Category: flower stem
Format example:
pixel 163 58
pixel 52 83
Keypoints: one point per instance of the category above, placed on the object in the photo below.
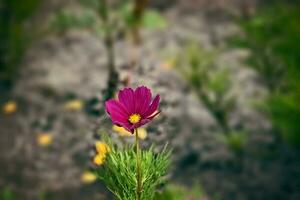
pixel 138 167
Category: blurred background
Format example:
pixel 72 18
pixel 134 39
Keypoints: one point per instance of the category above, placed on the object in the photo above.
pixel 228 72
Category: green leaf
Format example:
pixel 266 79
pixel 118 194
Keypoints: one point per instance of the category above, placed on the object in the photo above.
pixel 154 20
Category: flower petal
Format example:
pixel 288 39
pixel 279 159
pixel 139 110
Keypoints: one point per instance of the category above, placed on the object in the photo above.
pixel 142 97
pixel 125 125
pixel 126 97
pixel 116 110
pixel 140 123
pixel 154 115
pixel 153 107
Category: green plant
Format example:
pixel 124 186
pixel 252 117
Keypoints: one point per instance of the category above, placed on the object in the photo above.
pixel 235 141
pixel 7 194
pixel 274 43
pixel 14 35
pixel 285 113
pixel 135 16
pixel 66 19
pixel 119 171
pixel 177 192
pixel 210 84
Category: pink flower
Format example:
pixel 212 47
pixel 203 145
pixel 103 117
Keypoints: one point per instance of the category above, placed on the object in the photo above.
pixel 133 108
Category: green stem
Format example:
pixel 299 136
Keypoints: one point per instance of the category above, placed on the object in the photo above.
pixel 138 167
pixel 138 12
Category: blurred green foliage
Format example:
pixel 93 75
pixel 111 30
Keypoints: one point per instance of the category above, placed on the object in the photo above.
pixel 235 141
pixel 210 83
pixel 177 192
pixel 152 19
pixel 66 19
pixel 7 194
pixel 273 36
pixel 122 15
pixel 14 36
pixel 284 109
pixel 169 192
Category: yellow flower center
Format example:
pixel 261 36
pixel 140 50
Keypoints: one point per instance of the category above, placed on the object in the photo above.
pixel 134 118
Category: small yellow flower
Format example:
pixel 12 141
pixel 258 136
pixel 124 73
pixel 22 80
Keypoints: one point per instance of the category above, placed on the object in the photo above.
pixel 102 148
pixel 44 139
pixel 10 107
pixel 88 177
pixel 142 133
pixel 121 131
pixel 73 105
pixel 124 133
pixel 167 65
pixel 99 159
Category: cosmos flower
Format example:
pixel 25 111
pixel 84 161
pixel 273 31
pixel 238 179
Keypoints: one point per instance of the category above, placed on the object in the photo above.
pixel 133 108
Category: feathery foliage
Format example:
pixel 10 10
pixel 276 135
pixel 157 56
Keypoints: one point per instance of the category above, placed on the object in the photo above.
pixel 274 44
pixel 14 34
pixel 178 192
pixel 210 84
pixel 119 171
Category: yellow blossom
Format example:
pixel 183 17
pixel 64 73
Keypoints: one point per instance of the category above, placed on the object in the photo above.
pixel 10 107
pixel 142 133
pixel 121 131
pixel 88 177
pixel 167 65
pixel 99 159
pixel 124 133
pixel 102 148
pixel 44 139
pixel 73 105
